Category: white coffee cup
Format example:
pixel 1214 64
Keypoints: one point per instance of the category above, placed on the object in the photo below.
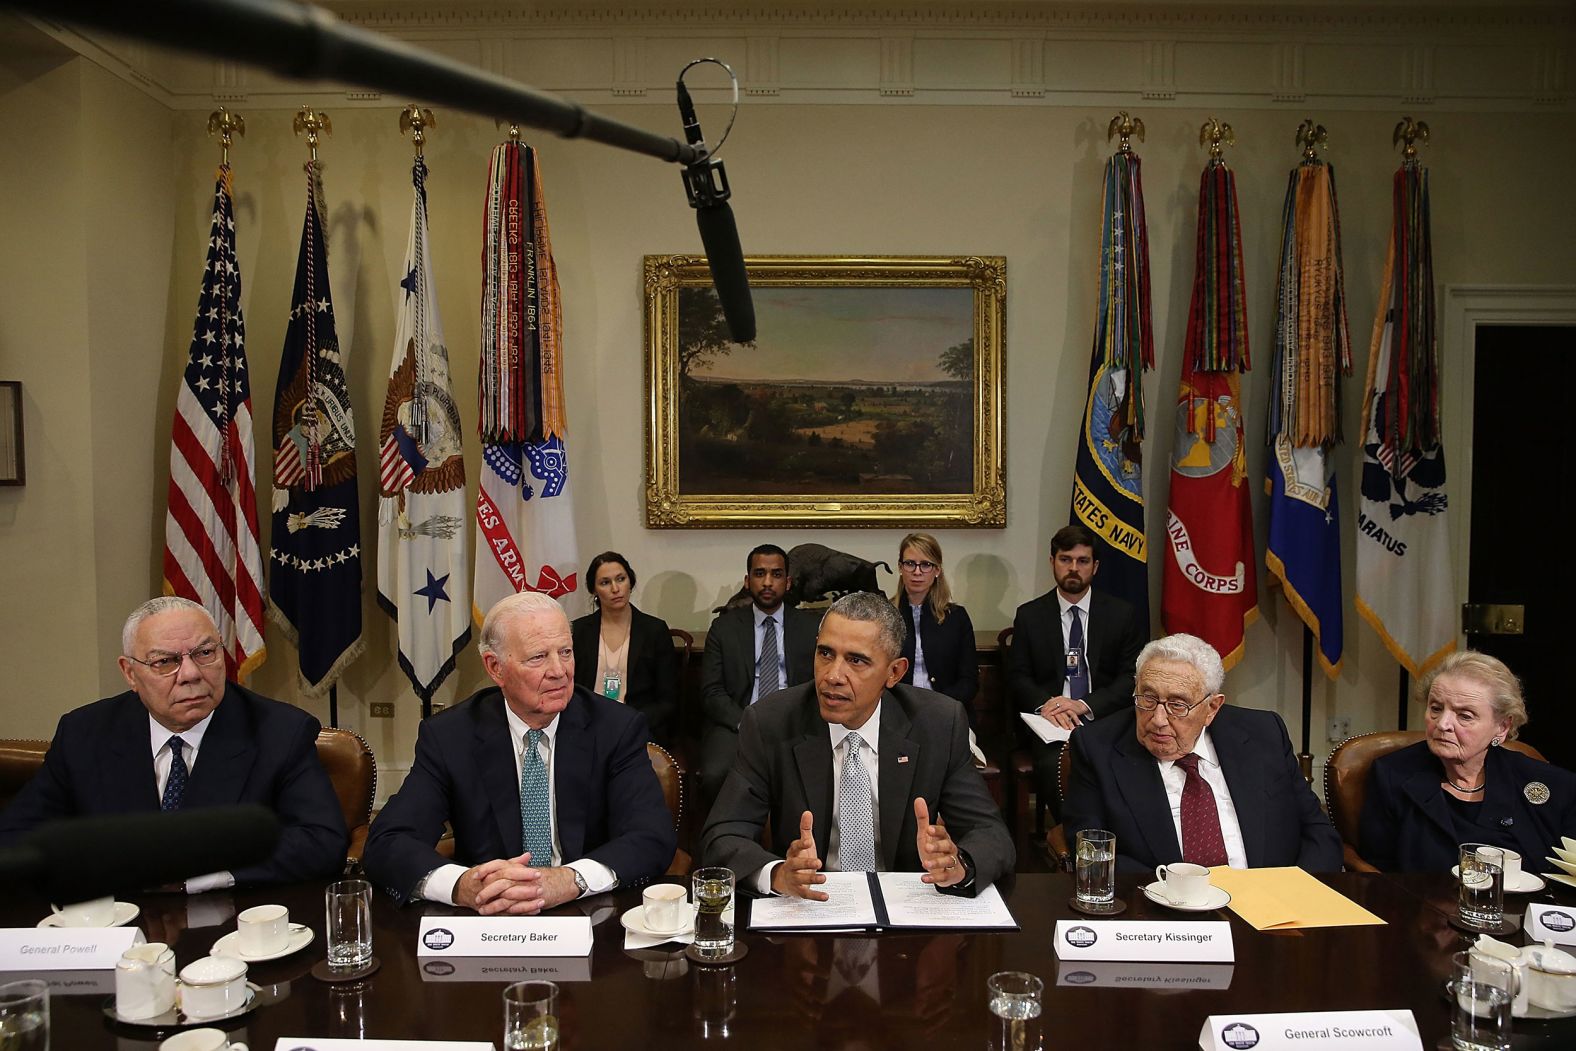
pixel 1551 977
pixel 1183 883
pixel 201 1040
pixel 213 986
pixel 1512 867
pixel 145 981
pixel 664 907
pixel 100 912
pixel 264 930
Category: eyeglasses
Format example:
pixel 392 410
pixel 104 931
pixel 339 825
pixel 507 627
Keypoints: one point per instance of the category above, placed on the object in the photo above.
pixel 917 567
pixel 1148 702
pixel 202 656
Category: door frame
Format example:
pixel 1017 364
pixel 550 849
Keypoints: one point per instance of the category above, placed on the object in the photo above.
pixel 1465 308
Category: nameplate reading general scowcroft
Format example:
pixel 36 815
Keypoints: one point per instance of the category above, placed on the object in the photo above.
pixel 1551 923
pixel 504 936
pixel 64 948
pixel 1321 1030
pixel 310 1043
pixel 1207 941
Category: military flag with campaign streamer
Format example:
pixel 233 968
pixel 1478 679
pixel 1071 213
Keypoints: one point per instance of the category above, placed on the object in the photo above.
pixel 423 565
pixel 314 589
pixel 1313 349
pixel 1405 589
pixel 524 512
pixel 211 550
pixel 1209 586
pixel 1108 489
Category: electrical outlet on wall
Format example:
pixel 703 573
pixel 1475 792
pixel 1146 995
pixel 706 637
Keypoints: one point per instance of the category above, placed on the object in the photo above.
pixel 1340 728
pixel 382 709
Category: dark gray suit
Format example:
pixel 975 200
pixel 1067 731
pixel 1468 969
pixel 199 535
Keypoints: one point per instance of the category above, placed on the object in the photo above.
pixel 784 768
pixel 727 679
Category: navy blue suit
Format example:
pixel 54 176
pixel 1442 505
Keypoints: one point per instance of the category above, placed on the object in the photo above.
pixel 1406 824
pixel 609 804
pixel 255 750
pixel 1116 785
pixel 951 659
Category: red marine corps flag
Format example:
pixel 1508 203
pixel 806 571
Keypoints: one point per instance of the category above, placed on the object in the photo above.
pixel 1210 584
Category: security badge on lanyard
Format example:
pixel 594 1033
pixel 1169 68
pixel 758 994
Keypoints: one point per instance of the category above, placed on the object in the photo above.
pixel 611 684
pixel 1074 661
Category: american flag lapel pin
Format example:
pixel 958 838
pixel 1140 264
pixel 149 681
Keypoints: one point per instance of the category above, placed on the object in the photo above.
pixel 902 759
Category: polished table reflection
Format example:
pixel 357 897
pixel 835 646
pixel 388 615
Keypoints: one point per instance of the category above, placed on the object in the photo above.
pixel 817 991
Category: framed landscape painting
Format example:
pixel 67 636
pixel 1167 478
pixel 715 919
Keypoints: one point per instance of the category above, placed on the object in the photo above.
pixel 872 395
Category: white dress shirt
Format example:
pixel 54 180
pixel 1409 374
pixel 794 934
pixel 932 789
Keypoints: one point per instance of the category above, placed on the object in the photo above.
pixel 1209 769
pixel 164 758
pixel 440 882
pixel 870 732
pixel 921 673
pixel 1087 715
pixel 766 689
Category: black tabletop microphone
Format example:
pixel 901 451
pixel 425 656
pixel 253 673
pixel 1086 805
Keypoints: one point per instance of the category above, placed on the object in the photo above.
pixel 706 186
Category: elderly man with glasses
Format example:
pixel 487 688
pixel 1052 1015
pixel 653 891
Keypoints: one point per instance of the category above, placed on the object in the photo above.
pixel 1182 776
pixel 182 737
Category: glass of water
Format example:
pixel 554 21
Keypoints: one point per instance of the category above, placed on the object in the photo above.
pixel 1481 992
pixel 712 891
pixel 1481 902
pixel 348 904
pixel 1015 1011
pixel 1094 868
pixel 24 1016
pixel 530 1017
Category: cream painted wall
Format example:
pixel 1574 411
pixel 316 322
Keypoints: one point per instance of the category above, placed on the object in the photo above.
pixel 1021 181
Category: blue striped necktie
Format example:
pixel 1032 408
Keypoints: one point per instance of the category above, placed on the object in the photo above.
pixel 536 818
pixel 175 786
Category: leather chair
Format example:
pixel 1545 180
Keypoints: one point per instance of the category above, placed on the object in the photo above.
pixel 20 759
pixel 353 770
pixel 1056 837
pixel 1346 782
pixel 670 775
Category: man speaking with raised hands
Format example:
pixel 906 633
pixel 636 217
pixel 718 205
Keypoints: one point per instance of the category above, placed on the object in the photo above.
pixel 849 770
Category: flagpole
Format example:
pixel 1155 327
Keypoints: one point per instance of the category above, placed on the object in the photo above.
pixel 1403 687
pixel 333 705
pixel 1305 758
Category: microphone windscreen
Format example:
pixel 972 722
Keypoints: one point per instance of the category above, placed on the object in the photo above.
pixel 88 857
pixel 720 235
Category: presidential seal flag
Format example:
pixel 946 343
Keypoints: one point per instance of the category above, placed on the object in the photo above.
pixel 1312 351
pixel 1108 487
pixel 524 516
pixel 423 566
pixel 211 551
pixel 1209 586
pixel 1404 585
pixel 314 589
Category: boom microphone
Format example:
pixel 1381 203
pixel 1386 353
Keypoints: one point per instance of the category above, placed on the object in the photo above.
pixel 76 859
pixel 706 186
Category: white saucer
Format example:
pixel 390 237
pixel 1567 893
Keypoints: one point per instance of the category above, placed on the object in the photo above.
pixel 125 912
pixel 230 945
pixel 1217 899
pixel 1528 884
pixel 634 921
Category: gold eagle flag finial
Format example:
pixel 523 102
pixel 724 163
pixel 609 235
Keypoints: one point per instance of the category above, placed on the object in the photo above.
pixel 1126 127
pixel 416 120
pixel 1408 133
pixel 312 123
pixel 1216 135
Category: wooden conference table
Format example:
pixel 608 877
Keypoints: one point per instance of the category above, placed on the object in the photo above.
pixel 801 991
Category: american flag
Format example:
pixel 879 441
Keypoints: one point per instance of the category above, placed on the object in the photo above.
pixel 211 553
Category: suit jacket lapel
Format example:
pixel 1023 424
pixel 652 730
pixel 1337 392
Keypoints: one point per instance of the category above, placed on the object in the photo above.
pixel 1244 775
pixel 128 770
pixel 813 759
pixel 1053 631
pixel 495 759
pixel 896 776
pixel 1422 788
pixel 1091 636
pixel 1137 776
pixel 227 754
pixel 741 626
pixel 572 777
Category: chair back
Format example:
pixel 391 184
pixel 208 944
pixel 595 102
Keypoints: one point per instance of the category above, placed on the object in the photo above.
pixel 20 759
pixel 353 771
pixel 671 777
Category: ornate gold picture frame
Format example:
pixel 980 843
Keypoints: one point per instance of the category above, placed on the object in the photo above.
pixel 872 395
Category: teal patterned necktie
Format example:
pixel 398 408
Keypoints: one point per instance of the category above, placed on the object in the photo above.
pixel 536 820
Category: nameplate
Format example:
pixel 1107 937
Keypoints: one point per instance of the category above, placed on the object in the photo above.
pixel 505 969
pixel 64 948
pixel 68 983
pixel 1346 1030
pixel 1551 923
pixel 1116 974
pixel 310 1043
pixel 1207 941
pixel 504 936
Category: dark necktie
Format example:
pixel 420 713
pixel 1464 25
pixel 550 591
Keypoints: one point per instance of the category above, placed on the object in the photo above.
pixel 767 677
pixel 1077 684
pixel 175 786
pixel 1202 843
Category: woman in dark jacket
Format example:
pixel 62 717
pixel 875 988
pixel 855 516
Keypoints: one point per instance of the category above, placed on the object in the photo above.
pixel 624 654
pixel 944 658
pixel 1459 784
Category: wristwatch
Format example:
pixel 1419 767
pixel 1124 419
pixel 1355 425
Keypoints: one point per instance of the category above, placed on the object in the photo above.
pixel 580 882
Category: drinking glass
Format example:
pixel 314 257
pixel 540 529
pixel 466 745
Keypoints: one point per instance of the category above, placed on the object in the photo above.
pixel 24 1016
pixel 530 1017
pixel 1481 992
pixel 1481 901
pixel 1094 868
pixel 712 891
pixel 349 921
pixel 1015 1010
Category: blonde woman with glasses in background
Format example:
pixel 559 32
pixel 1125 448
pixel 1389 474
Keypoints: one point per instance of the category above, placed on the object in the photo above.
pixel 939 637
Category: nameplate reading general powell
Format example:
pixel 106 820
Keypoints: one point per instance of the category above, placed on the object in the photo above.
pixel 313 1043
pixel 1207 941
pixel 64 948
pixel 1551 923
pixel 504 936
pixel 1324 1030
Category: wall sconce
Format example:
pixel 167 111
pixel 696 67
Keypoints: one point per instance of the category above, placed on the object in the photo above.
pixel 13 465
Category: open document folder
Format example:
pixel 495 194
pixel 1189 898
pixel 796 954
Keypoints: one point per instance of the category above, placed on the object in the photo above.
pixel 1286 898
pixel 1044 729
pixel 864 901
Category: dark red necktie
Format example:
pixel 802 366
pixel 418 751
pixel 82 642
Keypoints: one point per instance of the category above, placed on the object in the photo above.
pixel 1202 843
